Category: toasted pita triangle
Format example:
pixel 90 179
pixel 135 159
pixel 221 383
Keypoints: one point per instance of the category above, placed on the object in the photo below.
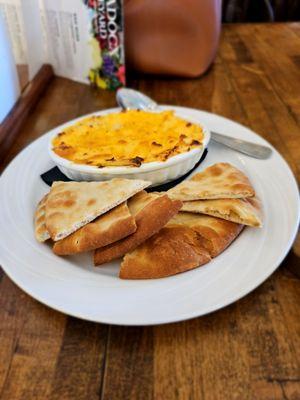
pixel 71 205
pixel 151 212
pixel 218 181
pixel 242 211
pixel 41 232
pixel 216 234
pixel 108 228
pixel 186 242
pixel 171 251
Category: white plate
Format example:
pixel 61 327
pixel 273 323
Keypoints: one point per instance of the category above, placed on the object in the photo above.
pixel 72 285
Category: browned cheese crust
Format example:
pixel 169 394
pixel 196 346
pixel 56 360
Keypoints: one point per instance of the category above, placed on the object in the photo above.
pixel 108 228
pixel 154 214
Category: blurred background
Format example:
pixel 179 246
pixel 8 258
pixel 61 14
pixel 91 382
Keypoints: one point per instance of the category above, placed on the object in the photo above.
pixel 67 35
pixel 260 10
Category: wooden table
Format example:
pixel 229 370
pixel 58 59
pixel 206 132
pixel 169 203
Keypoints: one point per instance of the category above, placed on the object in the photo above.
pixel 249 350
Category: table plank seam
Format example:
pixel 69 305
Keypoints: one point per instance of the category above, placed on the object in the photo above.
pixel 104 364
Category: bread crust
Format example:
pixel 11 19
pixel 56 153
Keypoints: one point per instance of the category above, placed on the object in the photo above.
pixel 40 229
pixel 186 242
pixel 71 205
pixel 171 251
pixel 108 228
pixel 149 220
pixel 242 211
pixel 219 181
pixel 215 234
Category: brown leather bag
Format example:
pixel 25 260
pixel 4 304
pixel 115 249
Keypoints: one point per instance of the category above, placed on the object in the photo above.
pixel 171 37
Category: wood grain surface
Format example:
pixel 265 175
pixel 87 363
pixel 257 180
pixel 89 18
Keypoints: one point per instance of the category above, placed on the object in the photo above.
pixel 249 350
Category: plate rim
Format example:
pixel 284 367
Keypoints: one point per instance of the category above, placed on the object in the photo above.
pixel 189 315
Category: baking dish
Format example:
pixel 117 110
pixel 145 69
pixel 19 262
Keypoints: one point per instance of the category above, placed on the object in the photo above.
pixel 156 172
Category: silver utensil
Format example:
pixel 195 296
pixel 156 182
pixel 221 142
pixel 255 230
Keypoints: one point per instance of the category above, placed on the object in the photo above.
pixel 130 99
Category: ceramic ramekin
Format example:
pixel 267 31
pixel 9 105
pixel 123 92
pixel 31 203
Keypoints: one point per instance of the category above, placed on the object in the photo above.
pixel 155 172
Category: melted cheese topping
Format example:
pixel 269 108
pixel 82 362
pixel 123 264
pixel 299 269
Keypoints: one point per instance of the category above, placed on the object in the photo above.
pixel 127 138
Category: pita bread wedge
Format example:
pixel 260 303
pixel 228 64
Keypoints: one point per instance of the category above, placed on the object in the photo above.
pixel 218 181
pixel 242 211
pixel 108 228
pixel 71 205
pixel 215 234
pixel 151 212
pixel 186 242
pixel 41 232
pixel 171 251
